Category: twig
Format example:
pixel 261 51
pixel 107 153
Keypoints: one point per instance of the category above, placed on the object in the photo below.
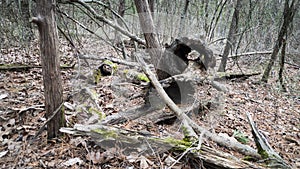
pixel 105 20
pixel 47 121
pixel 190 149
pixel 116 60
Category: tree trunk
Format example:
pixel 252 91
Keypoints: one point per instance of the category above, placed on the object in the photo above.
pixel 231 37
pixel 148 29
pixel 25 15
pixel 50 60
pixel 121 10
pixel 288 15
pixel 182 18
pixel 281 64
pixel 151 7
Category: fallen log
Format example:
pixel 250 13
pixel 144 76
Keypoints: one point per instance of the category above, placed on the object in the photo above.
pixel 144 143
pixel 244 149
pixel 19 67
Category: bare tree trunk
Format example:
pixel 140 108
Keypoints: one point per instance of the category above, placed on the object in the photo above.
pixel 206 26
pixel 148 29
pixel 121 10
pixel 50 59
pixel 182 18
pixel 281 64
pixel 27 33
pixel 214 21
pixel 151 7
pixel 118 37
pixel 288 15
pixel 231 37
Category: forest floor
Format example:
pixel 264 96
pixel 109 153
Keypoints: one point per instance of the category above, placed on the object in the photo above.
pixel 276 113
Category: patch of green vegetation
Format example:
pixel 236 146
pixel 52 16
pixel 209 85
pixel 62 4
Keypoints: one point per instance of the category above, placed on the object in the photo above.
pixel 249 158
pixel 95 111
pixel 181 145
pixel 240 137
pixel 113 65
pixel 263 153
pixel 106 133
pixel 136 76
pixel 97 76
pixel 142 77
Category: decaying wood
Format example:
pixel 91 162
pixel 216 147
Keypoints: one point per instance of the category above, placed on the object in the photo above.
pixel 244 149
pixel 180 115
pixel 14 67
pixel 264 148
pixel 135 141
pixel 113 59
pixel 131 114
pixel 205 54
pixel 229 76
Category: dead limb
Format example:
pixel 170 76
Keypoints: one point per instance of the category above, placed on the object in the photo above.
pixel 180 115
pixel 47 121
pixel 116 60
pixel 264 148
pixel 15 67
pixel 229 76
pixel 131 114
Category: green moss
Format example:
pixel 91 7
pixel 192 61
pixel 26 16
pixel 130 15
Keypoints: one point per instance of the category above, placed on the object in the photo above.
pixel 185 131
pixel 142 77
pixel 97 76
pixel 99 113
pixel 181 145
pixel 113 65
pixel 135 76
pixel 105 133
pixel 240 137
pixel 263 153
pixel 249 158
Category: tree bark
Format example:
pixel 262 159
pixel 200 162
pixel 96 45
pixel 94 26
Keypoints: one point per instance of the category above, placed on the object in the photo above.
pixel 182 17
pixel 151 7
pixel 147 25
pixel 281 64
pixel 288 15
pixel 231 38
pixel 27 33
pixel 50 60
pixel 121 10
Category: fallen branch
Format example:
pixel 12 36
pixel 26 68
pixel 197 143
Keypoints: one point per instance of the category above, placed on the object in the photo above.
pixel 250 53
pixel 229 76
pixel 113 59
pixel 14 67
pixel 47 121
pixel 180 115
pixel 264 148
pixel 194 78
